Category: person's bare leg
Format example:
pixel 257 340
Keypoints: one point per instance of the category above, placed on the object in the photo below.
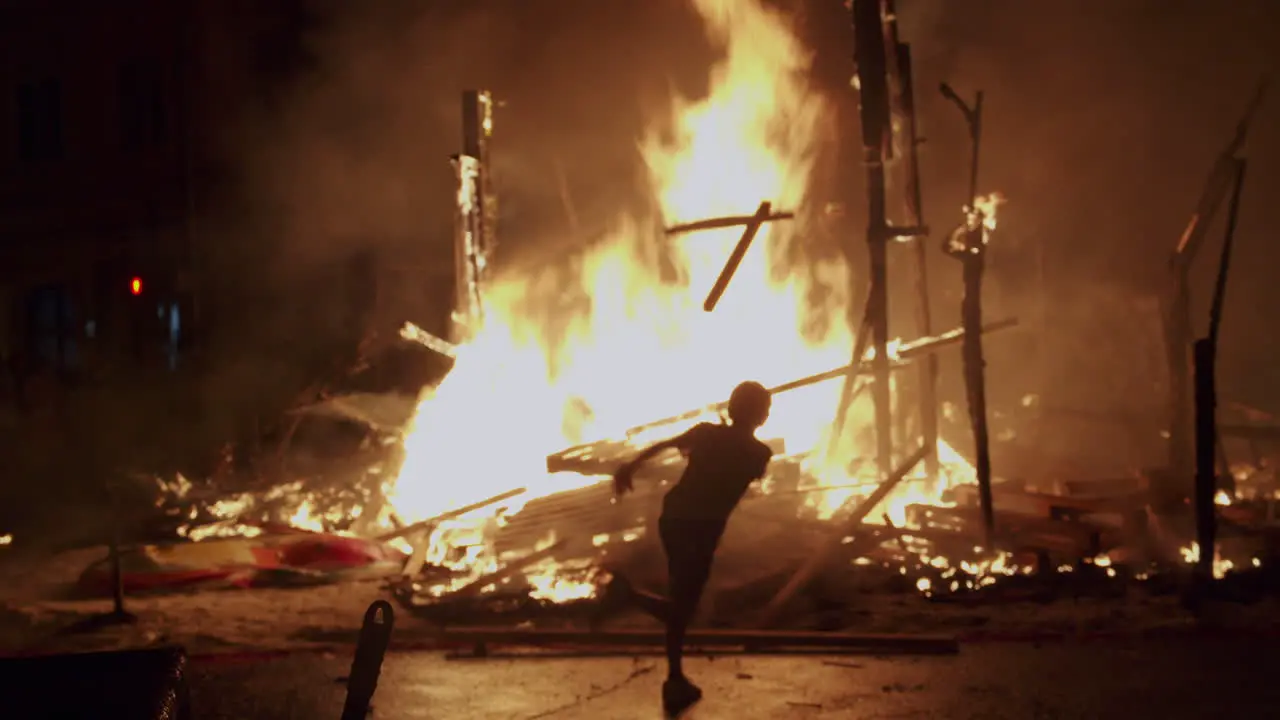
pixel 677 629
pixel 678 692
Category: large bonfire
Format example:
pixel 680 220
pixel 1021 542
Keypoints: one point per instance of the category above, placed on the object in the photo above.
pixel 642 348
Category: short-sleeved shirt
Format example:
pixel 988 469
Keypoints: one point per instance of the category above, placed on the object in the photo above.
pixel 723 462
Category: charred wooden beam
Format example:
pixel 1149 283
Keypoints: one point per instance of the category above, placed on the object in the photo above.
pixel 1206 398
pixel 1206 477
pixel 906 352
pixel 582 513
pixel 430 522
pixel 728 221
pixel 604 458
pixel 805 573
pixel 928 373
pixel 735 258
pixel 968 245
pixel 511 568
pixel 926 346
pixel 853 375
pixel 415 334
pixel 870 58
pixel 1178 329
pixel 749 639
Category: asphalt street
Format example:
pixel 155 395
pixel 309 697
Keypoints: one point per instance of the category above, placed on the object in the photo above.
pixel 1098 680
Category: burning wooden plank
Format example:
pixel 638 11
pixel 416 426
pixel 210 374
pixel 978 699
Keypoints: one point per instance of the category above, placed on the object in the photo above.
pixel 730 221
pixel 478 585
pixel 583 513
pixel 606 456
pixel 433 521
pixel 739 251
pixel 415 334
pixel 806 572
pixel 906 352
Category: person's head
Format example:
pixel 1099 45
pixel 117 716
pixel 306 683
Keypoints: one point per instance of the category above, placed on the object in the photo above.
pixel 749 405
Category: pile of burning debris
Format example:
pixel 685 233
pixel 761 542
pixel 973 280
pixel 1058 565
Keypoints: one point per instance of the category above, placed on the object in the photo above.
pixel 790 545
pixel 480 523
pixel 796 542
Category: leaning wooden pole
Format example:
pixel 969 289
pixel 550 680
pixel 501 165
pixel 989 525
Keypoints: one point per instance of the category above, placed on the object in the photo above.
pixel 1206 400
pixel 906 352
pixel 869 56
pixel 969 245
pixel 806 572
pixel 735 257
pixel 1177 305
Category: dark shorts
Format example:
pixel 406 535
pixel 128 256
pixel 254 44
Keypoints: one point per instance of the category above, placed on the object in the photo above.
pixel 691 547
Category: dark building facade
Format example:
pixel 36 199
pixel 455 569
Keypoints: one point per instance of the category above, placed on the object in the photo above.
pixel 95 177
pixel 111 120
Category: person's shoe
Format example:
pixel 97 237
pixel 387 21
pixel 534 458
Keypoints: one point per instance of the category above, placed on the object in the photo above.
pixel 678 695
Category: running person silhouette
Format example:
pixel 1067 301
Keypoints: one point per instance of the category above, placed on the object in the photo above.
pixel 723 461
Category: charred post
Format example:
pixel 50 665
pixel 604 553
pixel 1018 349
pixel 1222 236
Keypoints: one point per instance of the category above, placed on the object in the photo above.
pixel 870 58
pixel 968 244
pixel 1206 398
pixel 1206 484
pixel 805 573
pixel 117 572
pixel 475 219
pixel 1177 307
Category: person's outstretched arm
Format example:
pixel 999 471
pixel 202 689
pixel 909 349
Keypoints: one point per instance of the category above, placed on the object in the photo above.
pixel 622 478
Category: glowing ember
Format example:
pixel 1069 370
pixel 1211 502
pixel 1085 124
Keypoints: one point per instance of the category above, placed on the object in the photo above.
pixel 967 574
pixel 6 540
pixel 639 347
pixel 1221 566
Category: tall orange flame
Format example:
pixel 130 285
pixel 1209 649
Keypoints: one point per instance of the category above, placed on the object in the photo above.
pixel 644 349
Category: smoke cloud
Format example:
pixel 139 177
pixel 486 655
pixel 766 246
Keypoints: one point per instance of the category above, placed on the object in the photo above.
pixel 1102 120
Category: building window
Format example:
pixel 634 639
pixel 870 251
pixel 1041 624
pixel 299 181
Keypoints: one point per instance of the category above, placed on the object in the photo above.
pixel 40 120
pixel 143 117
pixel 51 327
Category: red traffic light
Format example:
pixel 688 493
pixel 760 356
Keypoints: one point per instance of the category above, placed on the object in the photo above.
pixel 135 286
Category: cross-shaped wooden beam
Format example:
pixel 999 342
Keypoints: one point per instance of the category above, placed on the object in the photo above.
pixel 752 225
